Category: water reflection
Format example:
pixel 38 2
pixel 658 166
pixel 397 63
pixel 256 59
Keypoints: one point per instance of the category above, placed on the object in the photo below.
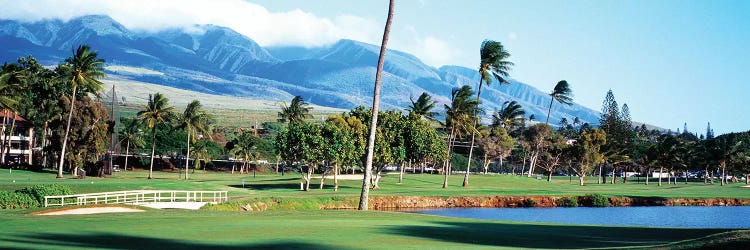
pixel 679 217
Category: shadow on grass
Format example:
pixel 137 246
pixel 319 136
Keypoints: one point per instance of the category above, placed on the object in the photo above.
pixel 116 241
pixel 269 186
pixel 549 236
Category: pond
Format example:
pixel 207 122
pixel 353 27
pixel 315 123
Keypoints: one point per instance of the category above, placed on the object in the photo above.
pixel 678 217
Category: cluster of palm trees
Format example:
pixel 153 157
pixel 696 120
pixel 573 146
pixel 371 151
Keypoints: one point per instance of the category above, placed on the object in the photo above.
pixel 194 120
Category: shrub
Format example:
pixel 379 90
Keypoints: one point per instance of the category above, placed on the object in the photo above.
pixel 597 200
pixel 528 202
pixel 38 192
pixel 15 200
pixel 567 202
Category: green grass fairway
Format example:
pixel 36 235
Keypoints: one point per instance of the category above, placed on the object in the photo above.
pixel 312 230
pixel 271 185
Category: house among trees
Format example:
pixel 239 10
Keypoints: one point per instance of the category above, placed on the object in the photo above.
pixel 16 138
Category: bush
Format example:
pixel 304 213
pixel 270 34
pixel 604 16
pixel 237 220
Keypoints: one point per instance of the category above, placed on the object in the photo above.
pixel 528 202
pixel 597 200
pixel 38 192
pixel 16 200
pixel 567 202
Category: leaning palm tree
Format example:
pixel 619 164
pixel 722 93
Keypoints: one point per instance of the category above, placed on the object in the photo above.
pixel 156 112
pixel 10 86
pixel 562 94
pixel 83 70
pixel 423 106
pixel 459 119
pixel 364 195
pixel 511 116
pixel 492 63
pixel 297 111
pixel 131 135
pixel 194 120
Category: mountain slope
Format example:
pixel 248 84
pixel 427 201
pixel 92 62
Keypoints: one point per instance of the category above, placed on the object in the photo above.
pixel 218 60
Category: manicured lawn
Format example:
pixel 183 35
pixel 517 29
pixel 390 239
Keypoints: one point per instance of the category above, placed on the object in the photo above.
pixel 312 229
pixel 271 185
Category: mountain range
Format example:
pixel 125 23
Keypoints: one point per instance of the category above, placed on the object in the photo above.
pixel 217 60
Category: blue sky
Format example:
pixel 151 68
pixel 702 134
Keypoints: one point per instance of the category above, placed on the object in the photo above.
pixel 670 61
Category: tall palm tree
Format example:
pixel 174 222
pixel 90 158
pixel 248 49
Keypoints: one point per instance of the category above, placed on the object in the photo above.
pixel 364 195
pixel 576 121
pixel 297 111
pixel 459 119
pixel 83 70
pixel 131 135
pixel 492 63
pixel 193 120
pixel 562 94
pixel 156 112
pixel 423 106
pixel 511 116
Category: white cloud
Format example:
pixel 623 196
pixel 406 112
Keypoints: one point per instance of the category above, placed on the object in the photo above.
pixel 294 27
pixel 431 50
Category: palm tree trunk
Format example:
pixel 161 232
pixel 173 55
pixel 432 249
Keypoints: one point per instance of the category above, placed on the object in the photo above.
pixel 336 177
pixel 446 169
pixel 486 164
pixel 67 132
pixel 127 154
pixel 723 173
pixel 473 135
pixel 549 110
pixel 44 145
pixel 187 158
pixel 401 172
pixel 648 172
pixel 153 149
pixel 2 135
pixel 364 196
pixel 661 172
pixel 9 135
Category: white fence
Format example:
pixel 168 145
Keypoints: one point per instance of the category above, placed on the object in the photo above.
pixel 136 197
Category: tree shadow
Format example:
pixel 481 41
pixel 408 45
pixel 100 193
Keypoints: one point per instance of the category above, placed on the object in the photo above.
pixel 548 236
pixel 116 241
pixel 269 186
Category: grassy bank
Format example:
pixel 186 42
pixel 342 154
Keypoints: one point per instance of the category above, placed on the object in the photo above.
pixel 274 185
pixel 314 229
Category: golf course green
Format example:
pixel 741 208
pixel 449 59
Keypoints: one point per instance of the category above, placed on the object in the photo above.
pixel 305 225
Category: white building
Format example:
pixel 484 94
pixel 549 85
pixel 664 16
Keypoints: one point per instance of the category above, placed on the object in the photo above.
pixel 20 138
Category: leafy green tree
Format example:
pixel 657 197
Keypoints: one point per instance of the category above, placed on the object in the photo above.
pixel 562 94
pixel 423 106
pixel 194 120
pixel 83 70
pixel 493 64
pixel 364 195
pixel 496 145
pixel 587 149
pixel 156 112
pixel 131 135
pixel 538 138
pixel 297 111
pixel 554 153
pixel 340 147
pixel 87 137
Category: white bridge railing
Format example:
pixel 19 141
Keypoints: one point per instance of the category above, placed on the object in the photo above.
pixel 136 197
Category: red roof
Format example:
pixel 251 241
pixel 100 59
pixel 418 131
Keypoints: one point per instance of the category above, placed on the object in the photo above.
pixel 10 115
